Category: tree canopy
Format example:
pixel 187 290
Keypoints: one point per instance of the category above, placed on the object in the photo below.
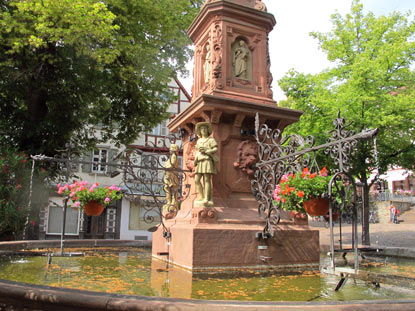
pixel 371 82
pixel 68 65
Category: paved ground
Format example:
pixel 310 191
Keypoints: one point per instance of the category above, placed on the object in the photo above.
pixel 382 235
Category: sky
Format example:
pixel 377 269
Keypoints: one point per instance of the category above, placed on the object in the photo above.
pixel 291 46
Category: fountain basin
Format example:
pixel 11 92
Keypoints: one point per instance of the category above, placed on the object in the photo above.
pixel 23 296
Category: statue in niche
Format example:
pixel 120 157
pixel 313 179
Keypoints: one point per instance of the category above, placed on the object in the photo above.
pixel 240 60
pixel 206 159
pixel 207 66
pixel 171 183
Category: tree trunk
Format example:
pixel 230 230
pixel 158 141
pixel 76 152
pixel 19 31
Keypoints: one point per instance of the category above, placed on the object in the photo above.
pixel 365 211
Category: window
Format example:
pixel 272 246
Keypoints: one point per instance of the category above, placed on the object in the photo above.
pixel 143 218
pixel 161 129
pixel 99 156
pixel 55 220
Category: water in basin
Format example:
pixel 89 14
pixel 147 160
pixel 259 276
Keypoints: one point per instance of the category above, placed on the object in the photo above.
pixel 132 271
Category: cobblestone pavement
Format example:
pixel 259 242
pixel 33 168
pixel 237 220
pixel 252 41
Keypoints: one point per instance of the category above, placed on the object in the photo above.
pixel 381 235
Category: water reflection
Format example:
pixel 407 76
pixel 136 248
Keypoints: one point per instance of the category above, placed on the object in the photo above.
pixel 132 271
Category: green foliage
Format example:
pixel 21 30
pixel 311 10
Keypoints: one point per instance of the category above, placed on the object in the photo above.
pixel 293 189
pixel 80 193
pixel 14 183
pixel 68 65
pixel 371 83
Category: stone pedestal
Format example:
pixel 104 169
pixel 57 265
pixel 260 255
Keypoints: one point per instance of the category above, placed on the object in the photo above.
pixel 198 247
pixel 225 236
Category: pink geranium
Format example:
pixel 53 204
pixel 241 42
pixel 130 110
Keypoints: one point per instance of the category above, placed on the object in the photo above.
pixel 80 193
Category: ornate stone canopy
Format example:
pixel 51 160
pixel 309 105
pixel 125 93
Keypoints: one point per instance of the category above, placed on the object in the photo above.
pixel 257 4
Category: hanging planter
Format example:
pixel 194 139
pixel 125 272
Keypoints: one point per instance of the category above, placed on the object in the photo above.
pixel 93 208
pixel 93 199
pixel 303 192
pixel 317 207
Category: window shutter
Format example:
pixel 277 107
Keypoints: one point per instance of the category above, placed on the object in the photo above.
pixel 112 154
pixel 87 167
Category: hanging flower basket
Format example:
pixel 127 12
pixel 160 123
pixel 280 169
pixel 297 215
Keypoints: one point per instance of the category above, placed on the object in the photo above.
pixel 302 192
pixel 93 199
pixel 317 207
pixel 93 208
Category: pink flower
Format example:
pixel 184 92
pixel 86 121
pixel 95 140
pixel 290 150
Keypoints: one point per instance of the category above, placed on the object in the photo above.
pixel 284 178
pixel 277 192
pixel 107 199
pixel 113 187
pixel 77 203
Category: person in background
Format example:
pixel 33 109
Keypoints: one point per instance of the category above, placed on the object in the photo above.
pixel 394 212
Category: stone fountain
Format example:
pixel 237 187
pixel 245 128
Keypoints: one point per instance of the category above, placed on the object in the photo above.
pixel 232 83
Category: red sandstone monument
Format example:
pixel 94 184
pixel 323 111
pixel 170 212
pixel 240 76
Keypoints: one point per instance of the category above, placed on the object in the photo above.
pixel 232 82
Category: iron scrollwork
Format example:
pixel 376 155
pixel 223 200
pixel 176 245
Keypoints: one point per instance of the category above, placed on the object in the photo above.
pixel 142 172
pixel 144 178
pixel 280 155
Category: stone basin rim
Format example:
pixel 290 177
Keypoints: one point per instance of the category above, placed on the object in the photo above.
pixel 41 297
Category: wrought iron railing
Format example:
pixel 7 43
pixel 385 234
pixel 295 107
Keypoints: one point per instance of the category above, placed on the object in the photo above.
pixel 283 154
pixel 142 175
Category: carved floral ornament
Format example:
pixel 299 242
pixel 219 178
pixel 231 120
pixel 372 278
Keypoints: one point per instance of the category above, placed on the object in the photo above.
pixel 259 5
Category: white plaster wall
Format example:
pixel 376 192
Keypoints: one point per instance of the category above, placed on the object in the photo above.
pixel 394 174
pixel 125 232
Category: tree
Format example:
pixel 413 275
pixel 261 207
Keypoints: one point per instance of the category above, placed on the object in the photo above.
pixel 371 82
pixel 69 65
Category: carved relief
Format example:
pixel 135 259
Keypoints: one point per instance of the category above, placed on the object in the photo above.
pixel 190 158
pixel 269 74
pixel 217 57
pixel 203 215
pixel 207 66
pixel 247 156
pixel 241 60
pixel 215 117
pixel 197 75
pixel 259 5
